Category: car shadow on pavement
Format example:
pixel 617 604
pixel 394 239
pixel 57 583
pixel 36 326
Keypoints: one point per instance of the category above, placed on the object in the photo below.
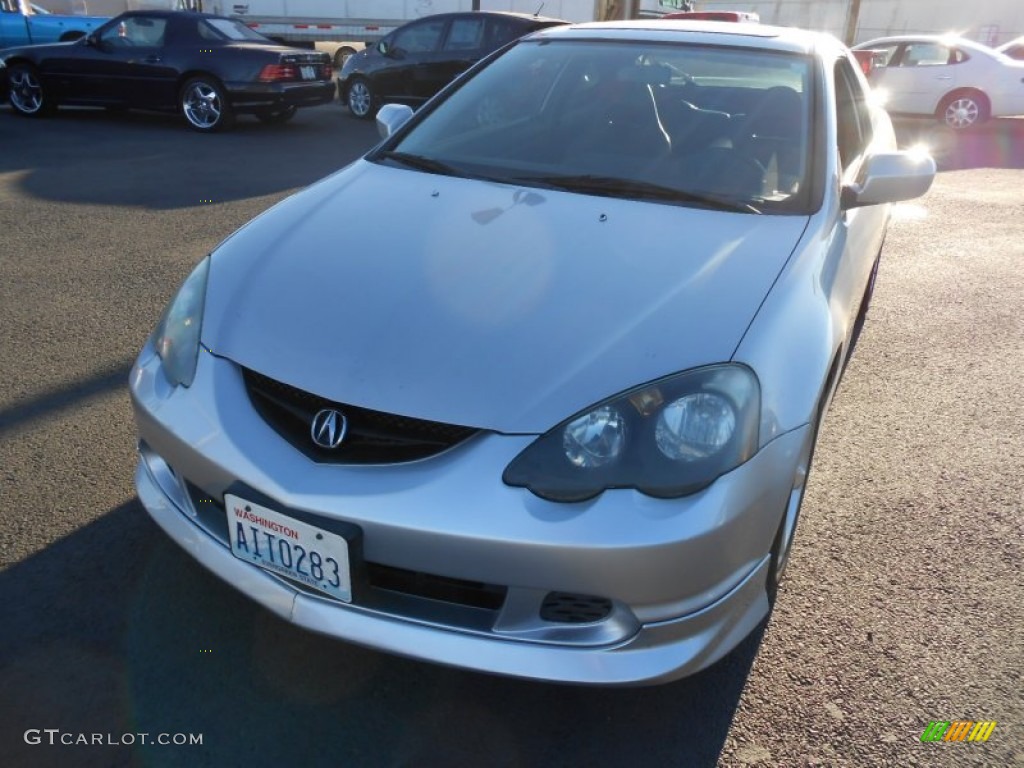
pixel 62 398
pixel 114 631
pixel 995 144
pixel 79 156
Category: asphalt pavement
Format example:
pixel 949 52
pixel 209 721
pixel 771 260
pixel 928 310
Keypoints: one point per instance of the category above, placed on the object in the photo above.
pixel 904 602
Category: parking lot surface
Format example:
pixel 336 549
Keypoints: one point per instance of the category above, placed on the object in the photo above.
pixel 904 602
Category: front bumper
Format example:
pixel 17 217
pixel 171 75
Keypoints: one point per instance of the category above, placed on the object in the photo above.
pixel 685 577
pixel 247 97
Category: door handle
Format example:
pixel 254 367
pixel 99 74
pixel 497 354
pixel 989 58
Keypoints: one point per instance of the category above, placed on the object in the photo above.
pixel 152 59
pixel 943 77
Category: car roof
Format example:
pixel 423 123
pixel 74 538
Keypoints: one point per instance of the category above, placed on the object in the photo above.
pixel 165 14
pixel 724 33
pixel 493 14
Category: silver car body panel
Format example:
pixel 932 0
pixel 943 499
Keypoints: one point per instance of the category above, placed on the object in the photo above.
pixel 659 652
pixel 421 515
pixel 517 356
pixel 712 541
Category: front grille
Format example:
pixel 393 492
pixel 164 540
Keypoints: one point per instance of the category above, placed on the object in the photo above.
pixel 469 593
pixel 373 437
pixel 566 608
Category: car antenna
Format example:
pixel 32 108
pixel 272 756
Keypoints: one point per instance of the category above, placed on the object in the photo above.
pixel 537 12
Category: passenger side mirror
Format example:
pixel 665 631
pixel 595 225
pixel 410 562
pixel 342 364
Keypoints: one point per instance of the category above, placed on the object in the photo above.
pixel 889 177
pixel 391 117
pixel 383 48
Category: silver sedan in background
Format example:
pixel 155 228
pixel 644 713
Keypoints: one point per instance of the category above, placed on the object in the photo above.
pixel 547 407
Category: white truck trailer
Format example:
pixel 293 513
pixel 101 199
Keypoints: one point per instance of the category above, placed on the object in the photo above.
pixel 342 26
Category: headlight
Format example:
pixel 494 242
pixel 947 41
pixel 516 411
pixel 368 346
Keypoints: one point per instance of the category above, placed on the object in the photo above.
pixel 594 438
pixel 695 426
pixel 666 439
pixel 176 337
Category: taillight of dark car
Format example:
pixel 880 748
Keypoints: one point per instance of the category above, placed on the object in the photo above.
pixel 295 71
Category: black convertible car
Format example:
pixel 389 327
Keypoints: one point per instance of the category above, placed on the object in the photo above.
pixel 209 68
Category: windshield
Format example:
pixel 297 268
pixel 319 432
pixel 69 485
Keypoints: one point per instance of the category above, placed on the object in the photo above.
pixel 685 124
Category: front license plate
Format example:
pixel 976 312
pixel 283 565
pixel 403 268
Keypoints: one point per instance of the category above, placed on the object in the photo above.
pixel 308 73
pixel 289 547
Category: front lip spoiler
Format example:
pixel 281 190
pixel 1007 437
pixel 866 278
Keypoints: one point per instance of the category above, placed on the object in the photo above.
pixel 659 652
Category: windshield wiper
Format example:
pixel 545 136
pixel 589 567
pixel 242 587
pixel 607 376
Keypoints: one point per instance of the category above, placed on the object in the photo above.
pixel 421 163
pixel 430 165
pixel 616 187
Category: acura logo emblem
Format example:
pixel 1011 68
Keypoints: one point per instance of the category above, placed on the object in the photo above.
pixel 329 427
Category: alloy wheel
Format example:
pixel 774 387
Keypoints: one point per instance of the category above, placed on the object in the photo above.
pixel 360 98
pixel 788 531
pixel 26 91
pixel 962 113
pixel 202 105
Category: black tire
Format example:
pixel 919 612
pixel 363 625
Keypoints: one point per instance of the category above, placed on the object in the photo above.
pixel 204 105
pixel 26 92
pixel 341 56
pixel 963 110
pixel 278 116
pixel 361 100
pixel 862 313
pixel 786 533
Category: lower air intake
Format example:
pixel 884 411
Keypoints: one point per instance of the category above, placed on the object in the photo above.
pixel 567 608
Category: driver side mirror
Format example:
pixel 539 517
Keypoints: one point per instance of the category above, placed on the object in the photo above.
pixel 390 51
pixel 889 177
pixel 95 41
pixel 391 117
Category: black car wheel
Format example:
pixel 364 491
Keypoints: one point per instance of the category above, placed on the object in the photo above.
pixel 786 533
pixel 360 99
pixel 27 94
pixel 204 105
pixel 277 116
pixel 862 313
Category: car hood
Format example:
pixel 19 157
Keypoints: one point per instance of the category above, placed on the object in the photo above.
pixel 35 50
pixel 356 62
pixel 484 304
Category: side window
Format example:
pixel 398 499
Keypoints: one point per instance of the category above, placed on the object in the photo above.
pixel 136 32
pixel 853 116
pixel 926 55
pixel 206 32
pixel 465 35
pixel 958 56
pixel 422 37
pixel 884 54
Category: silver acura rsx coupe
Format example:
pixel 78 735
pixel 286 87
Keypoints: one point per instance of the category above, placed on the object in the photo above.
pixel 533 387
